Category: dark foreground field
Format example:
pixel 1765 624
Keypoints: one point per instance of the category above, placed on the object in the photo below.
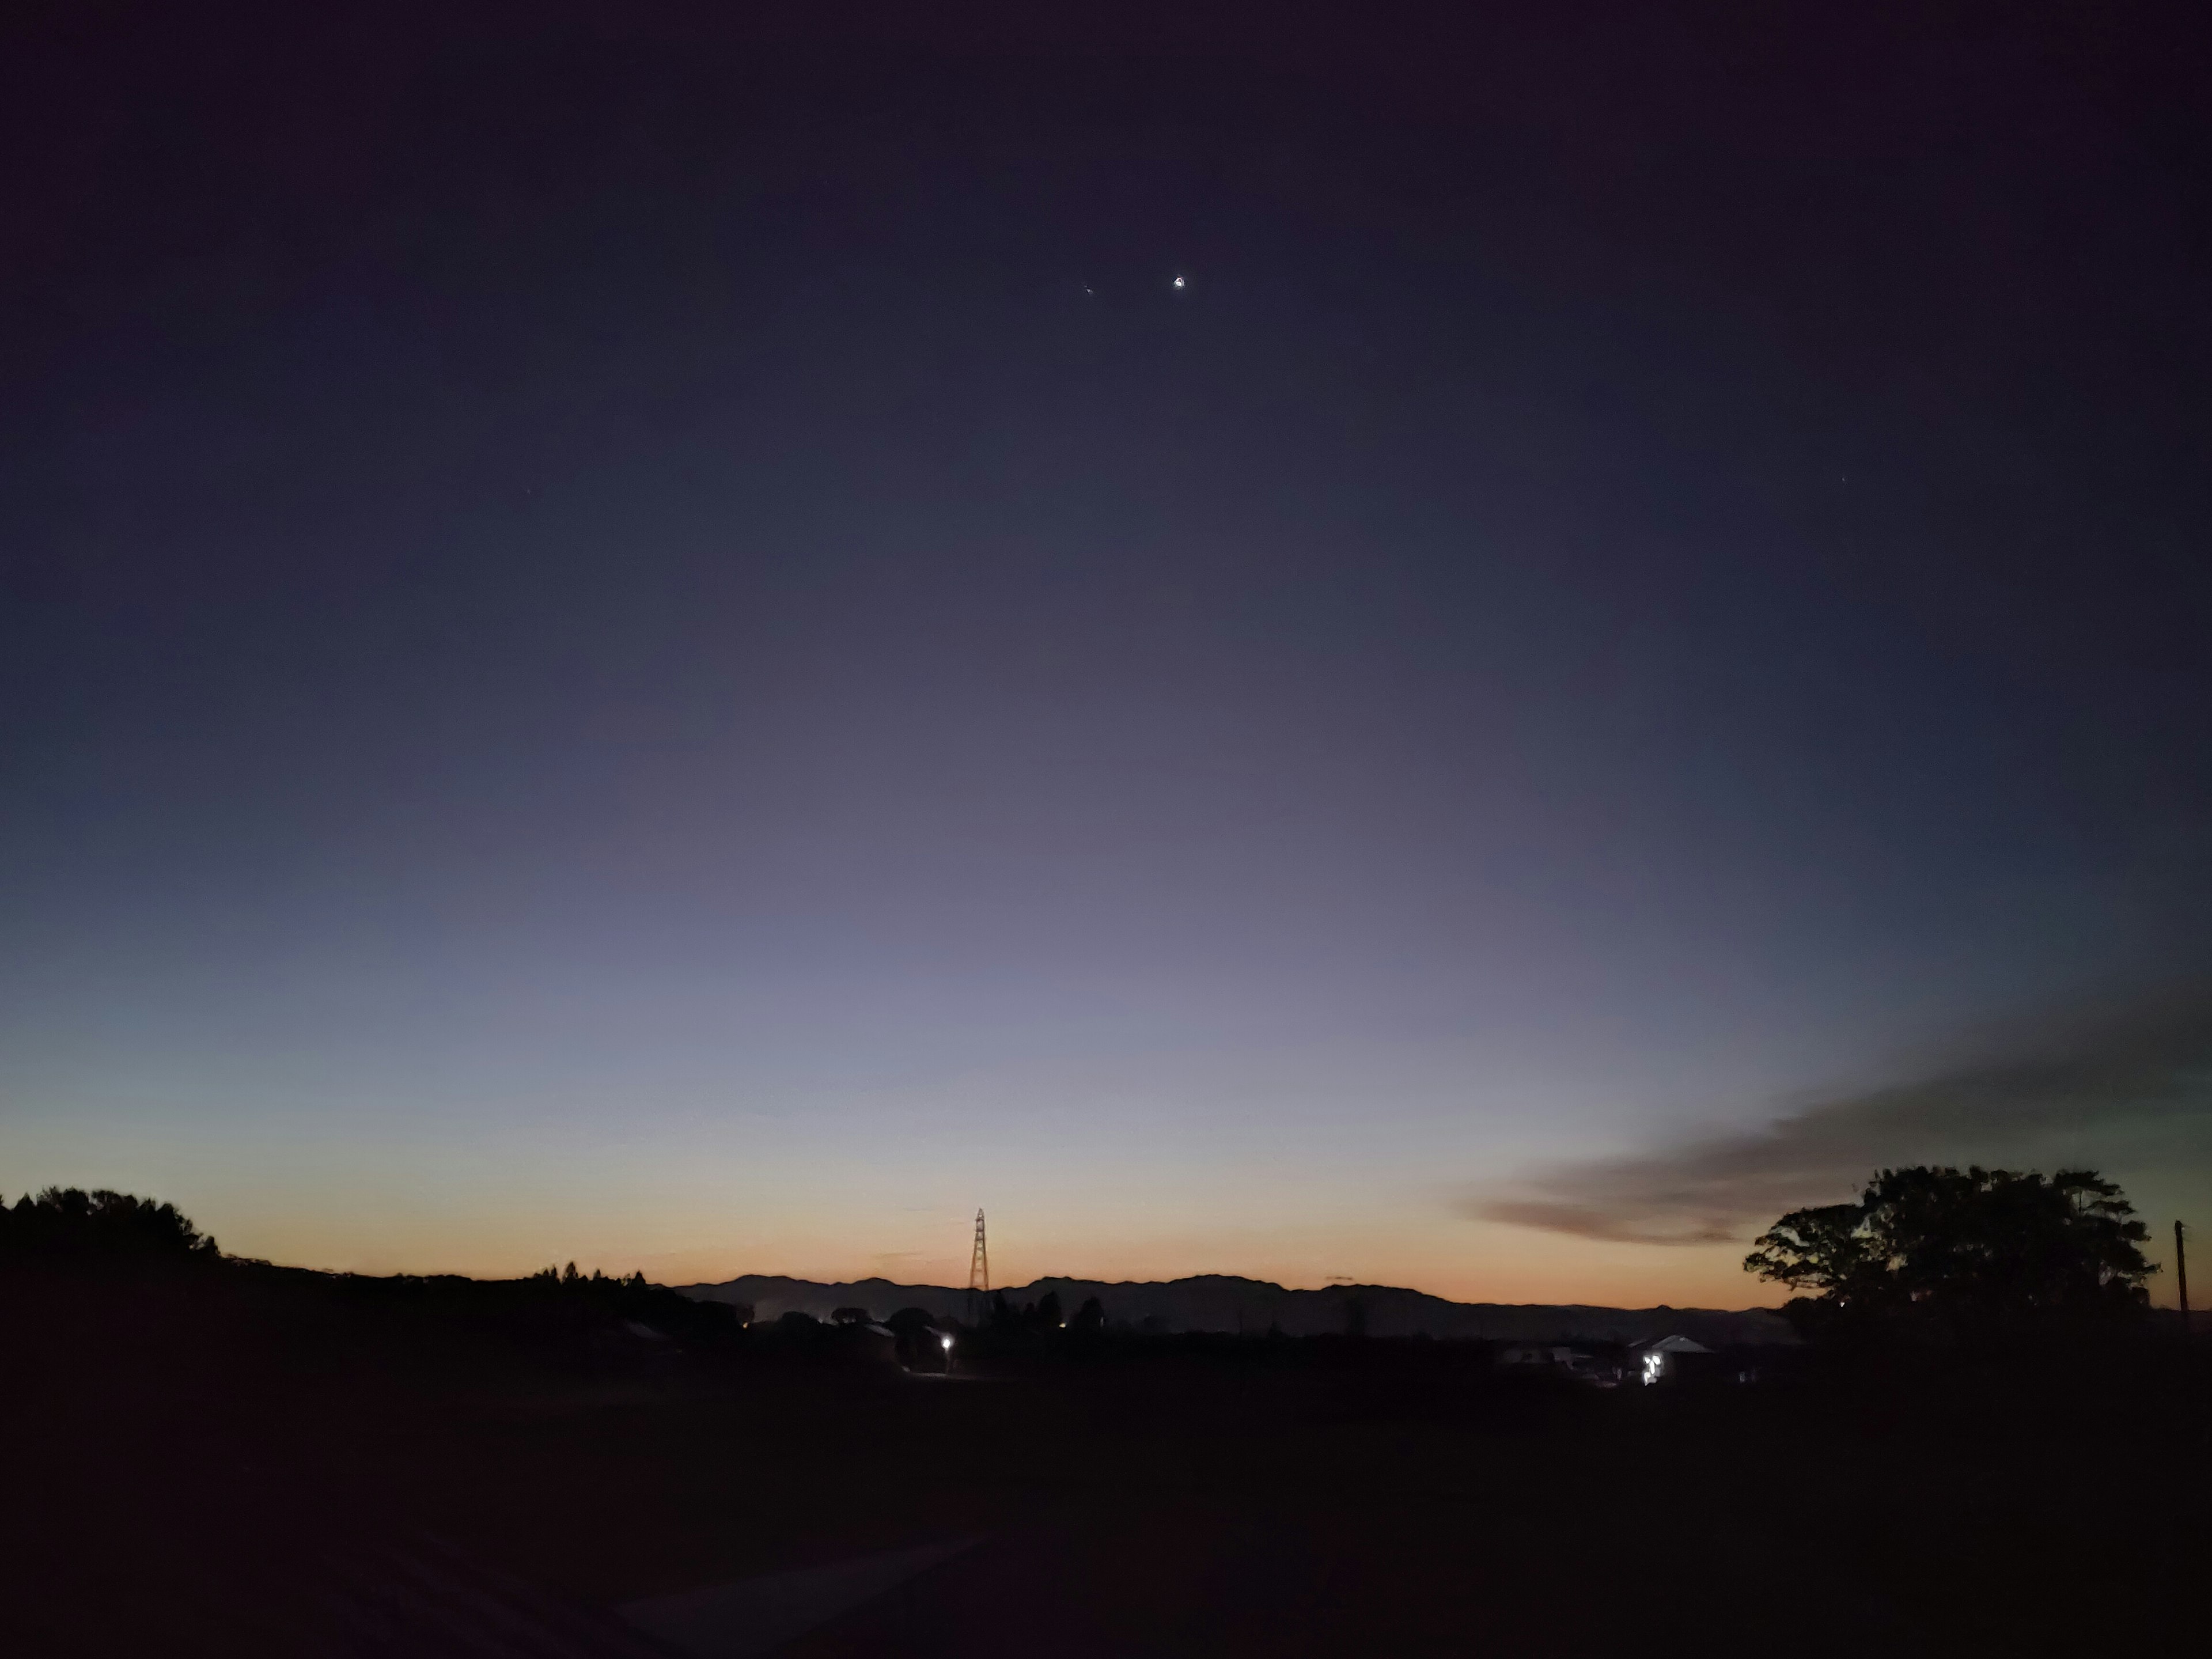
pixel 240 1461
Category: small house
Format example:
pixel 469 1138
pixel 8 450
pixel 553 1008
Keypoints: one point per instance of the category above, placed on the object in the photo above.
pixel 1668 1356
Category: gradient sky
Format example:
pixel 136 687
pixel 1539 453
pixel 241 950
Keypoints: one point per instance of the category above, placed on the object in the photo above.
pixel 632 637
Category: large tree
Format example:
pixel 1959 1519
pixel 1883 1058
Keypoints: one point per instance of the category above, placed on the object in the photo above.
pixel 1961 1252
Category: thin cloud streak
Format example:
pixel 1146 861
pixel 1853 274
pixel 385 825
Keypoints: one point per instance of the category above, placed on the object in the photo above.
pixel 2076 1090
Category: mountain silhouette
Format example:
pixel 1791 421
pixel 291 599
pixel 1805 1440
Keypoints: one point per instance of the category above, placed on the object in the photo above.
pixel 1220 1302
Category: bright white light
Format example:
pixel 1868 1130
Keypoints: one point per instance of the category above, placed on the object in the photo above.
pixel 946 1340
pixel 1179 282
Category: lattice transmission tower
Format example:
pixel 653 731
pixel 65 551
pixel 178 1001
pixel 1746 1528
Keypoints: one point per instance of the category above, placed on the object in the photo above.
pixel 979 1274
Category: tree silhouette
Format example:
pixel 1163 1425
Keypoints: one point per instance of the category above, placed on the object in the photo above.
pixel 1961 1253
pixel 1831 1251
pixel 67 1224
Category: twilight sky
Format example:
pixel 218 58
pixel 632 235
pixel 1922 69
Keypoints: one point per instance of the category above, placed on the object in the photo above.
pixel 633 637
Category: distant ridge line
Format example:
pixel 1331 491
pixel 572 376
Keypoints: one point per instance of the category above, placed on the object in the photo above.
pixel 1228 1302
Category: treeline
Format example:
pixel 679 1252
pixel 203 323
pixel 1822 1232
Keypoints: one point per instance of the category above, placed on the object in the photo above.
pixel 551 1304
pixel 637 1300
pixel 95 1237
pixel 68 1225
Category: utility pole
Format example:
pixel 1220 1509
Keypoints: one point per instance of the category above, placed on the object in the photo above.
pixel 979 1274
pixel 2180 1272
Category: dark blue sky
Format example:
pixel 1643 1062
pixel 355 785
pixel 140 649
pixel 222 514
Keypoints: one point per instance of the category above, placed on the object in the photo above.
pixel 631 635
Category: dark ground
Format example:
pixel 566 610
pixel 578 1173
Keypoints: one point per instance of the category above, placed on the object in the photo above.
pixel 226 1462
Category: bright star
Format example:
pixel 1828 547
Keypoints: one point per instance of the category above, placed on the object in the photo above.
pixel 1178 281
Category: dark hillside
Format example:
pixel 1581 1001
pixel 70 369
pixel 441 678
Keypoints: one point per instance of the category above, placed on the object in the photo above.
pixel 215 1457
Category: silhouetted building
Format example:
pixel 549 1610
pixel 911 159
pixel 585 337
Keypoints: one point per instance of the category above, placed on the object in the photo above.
pixel 1556 1357
pixel 1669 1357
